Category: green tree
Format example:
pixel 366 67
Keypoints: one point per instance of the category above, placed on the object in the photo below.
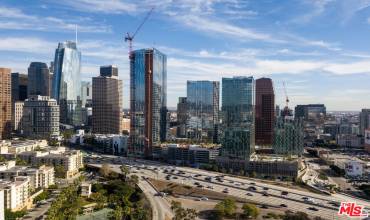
pixel 134 180
pixel 226 207
pixel 295 216
pixel 20 162
pixel 182 213
pixel 2 159
pixel 59 171
pixel 116 214
pixel 99 198
pixel 105 170
pixel 250 210
pixel 125 170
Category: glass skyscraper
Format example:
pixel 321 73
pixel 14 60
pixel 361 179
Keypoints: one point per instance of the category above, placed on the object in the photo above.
pixel 148 101
pixel 66 87
pixel 203 110
pixel 238 102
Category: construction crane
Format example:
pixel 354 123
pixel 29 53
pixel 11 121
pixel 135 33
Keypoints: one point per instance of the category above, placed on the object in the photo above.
pixel 286 111
pixel 130 37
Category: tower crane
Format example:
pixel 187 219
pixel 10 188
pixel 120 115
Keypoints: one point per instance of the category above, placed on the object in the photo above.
pixel 130 37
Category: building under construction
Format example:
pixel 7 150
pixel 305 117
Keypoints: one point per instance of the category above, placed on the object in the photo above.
pixel 288 137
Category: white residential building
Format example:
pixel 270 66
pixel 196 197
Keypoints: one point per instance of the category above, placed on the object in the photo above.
pixel 16 193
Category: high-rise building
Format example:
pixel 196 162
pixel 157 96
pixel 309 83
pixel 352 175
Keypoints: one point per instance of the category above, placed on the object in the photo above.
pixel 310 112
pixel 19 87
pixel 182 116
pixel 107 102
pixel 148 101
pixel 265 111
pixel 40 117
pixel 5 103
pixel 203 110
pixel 238 117
pixel 364 120
pixel 38 79
pixel 86 93
pixel 288 137
pixel 66 88
pixel 17 115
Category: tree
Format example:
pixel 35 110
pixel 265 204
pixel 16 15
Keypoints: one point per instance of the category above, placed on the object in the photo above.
pixel 105 170
pixel 134 180
pixel 226 207
pixel 99 198
pixel 125 170
pixel 250 210
pixel 20 162
pixel 59 171
pixel 182 213
pixel 116 214
pixel 296 216
pixel 2 159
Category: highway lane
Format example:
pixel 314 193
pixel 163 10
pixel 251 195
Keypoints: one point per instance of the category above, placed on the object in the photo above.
pixel 293 200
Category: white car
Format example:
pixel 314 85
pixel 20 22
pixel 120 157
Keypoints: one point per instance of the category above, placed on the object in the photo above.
pixel 204 198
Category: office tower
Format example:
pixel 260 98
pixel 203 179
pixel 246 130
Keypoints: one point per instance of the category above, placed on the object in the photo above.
pixel 238 117
pixel 364 120
pixel 5 103
pixel 38 79
pixel 107 102
pixel 86 93
pixel 182 117
pixel 367 140
pixel 19 87
pixel 203 110
pixel 40 117
pixel 277 111
pixel 66 87
pixel 148 101
pixel 310 112
pixel 17 115
pixel 265 112
pixel 288 137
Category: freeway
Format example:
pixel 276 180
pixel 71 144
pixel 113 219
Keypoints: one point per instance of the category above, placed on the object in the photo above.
pixel 325 206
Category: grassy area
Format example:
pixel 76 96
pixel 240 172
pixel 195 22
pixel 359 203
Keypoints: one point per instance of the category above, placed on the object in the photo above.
pixel 185 190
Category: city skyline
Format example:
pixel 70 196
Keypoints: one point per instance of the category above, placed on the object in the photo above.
pixel 318 47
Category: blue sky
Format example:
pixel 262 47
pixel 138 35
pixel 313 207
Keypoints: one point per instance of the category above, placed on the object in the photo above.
pixel 320 48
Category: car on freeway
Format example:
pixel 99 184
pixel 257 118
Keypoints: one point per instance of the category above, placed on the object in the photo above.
pixel 175 177
pixel 252 183
pixel 265 188
pixel 196 183
pixel 263 206
pixel 313 209
pixel 283 205
pixel 204 198
pixel 265 194
pixel 226 190
pixel 284 193
pixel 252 188
pixel 249 194
pixel 210 187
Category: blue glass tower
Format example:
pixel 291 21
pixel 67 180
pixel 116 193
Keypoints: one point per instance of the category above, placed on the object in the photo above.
pixel 148 101
pixel 238 100
pixel 203 110
pixel 66 87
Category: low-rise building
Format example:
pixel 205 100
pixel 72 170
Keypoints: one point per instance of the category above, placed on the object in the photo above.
pixel 71 160
pixel 16 193
pixel 354 168
pixel 192 155
pixel 41 177
pixel 85 189
pixel 348 140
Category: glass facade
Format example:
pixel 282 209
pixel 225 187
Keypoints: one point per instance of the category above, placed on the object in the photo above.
pixel 66 87
pixel 148 101
pixel 203 110
pixel 238 101
pixel 288 136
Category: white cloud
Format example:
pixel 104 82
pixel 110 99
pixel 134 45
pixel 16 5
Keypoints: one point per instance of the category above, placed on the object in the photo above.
pixel 318 8
pixel 16 19
pixel 105 6
pixel 31 45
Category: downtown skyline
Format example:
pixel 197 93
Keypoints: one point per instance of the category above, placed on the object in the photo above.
pixel 317 47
